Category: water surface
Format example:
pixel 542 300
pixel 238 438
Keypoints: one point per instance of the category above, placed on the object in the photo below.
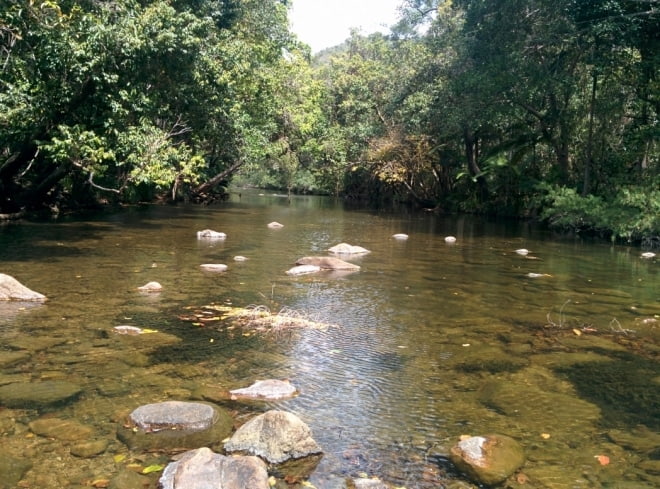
pixel 432 340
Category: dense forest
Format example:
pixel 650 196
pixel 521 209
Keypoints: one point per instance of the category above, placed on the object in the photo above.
pixel 531 108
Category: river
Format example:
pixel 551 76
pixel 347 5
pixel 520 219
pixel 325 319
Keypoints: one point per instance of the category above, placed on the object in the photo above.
pixel 430 340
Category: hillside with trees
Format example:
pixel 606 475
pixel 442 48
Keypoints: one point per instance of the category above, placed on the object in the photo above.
pixel 528 108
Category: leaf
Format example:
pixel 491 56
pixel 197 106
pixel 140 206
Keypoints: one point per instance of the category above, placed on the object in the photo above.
pixel 149 331
pixel 545 436
pixel 120 457
pixel 153 468
pixel 602 459
pixel 577 332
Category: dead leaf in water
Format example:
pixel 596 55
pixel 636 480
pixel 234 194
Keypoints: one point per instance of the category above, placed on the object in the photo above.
pixel 602 459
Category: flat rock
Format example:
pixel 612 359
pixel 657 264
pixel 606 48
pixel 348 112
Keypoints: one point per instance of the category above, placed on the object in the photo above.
pixel 171 415
pixel 271 389
pixel 202 468
pixel 275 436
pixel 11 358
pixel 37 394
pixel 327 263
pixel 12 290
pixel 175 425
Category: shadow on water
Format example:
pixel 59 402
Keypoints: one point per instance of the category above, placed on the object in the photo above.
pixel 626 389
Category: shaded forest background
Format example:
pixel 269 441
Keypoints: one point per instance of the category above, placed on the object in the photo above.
pixel 528 108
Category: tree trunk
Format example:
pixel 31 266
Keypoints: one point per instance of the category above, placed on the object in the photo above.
pixel 586 183
pixel 213 182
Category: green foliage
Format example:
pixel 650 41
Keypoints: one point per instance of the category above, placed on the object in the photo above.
pixel 632 214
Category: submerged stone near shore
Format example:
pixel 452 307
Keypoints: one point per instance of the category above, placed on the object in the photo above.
pixel 12 290
pixel 204 468
pixel 175 424
pixel 37 394
pixel 488 459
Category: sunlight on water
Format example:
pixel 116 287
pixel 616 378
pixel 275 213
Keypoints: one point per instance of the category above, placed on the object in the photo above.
pixel 428 340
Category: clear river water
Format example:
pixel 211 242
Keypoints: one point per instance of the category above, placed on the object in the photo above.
pixel 430 340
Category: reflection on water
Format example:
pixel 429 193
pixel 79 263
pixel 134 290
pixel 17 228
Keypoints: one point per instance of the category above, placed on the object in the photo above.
pixel 433 340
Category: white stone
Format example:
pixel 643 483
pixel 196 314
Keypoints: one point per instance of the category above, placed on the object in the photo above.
pixel 214 267
pixel 450 239
pixel 400 236
pixel 303 269
pixel 210 234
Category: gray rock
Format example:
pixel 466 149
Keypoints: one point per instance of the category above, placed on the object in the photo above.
pixel 488 459
pixel 270 389
pixel 327 263
pixel 275 436
pixel 37 394
pixel 204 469
pixel 12 290
pixel 175 424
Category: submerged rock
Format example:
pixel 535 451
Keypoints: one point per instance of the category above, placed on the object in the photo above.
pixel 327 263
pixel 175 424
pixel 61 429
pixel 12 470
pixel 400 236
pixel 37 394
pixel 270 389
pixel 347 249
pixel 12 290
pixel 210 234
pixel 488 459
pixel 275 436
pixel 275 225
pixel 203 468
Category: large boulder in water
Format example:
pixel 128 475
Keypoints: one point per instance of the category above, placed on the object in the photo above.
pixel 204 468
pixel 276 436
pixel 12 290
pixel 175 424
pixel 488 459
pixel 327 263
